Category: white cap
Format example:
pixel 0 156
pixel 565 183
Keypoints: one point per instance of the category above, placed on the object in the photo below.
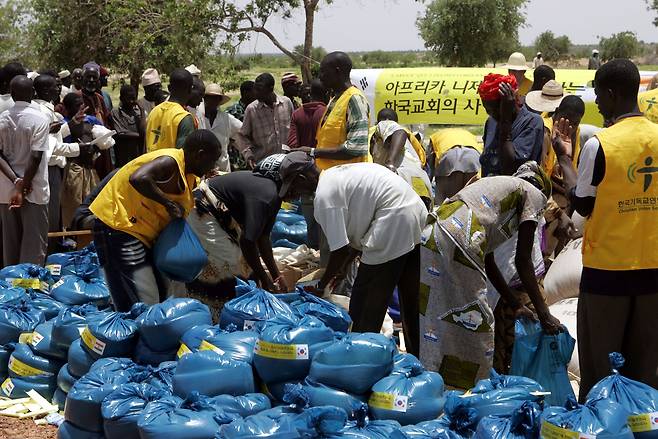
pixel 32 74
pixel 150 76
pixel 517 61
pixel 194 70
pixel 64 74
pixel 595 51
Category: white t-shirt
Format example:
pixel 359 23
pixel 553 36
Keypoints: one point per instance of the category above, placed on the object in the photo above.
pixel 24 129
pixel 6 102
pixel 370 208
pixel 225 127
pixel 586 162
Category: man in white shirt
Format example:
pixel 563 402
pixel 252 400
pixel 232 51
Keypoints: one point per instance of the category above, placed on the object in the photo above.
pixel 24 191
pixel 223 125
pixel 65 81
pixel 365 208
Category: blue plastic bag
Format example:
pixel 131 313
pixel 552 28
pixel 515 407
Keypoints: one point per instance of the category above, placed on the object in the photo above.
pixel 497 381
pixel 12 295
pixel 211 374
pixel 50 307
pixel 243 406
pixel 144 355
pixel 330 314
pixel 294 233
pixel 83 402
pixel 178 254
pixel 79 263
pixel 238 345
pixel 80 290
pixel 79 360
pixel 173 417
pixel 409 395
pixel 260 426
pixel 524 423
pixel 602 418
pixel 284 351
pixel 161 376
pixel 320 395
pixel 639 399
pixel 43 344
pixel 163 325
pixel 436 429
pixel 28 366
pixel 255 306
pixel 17 319
pixel 59 398
pixel 284 243
pixel 121 409
pixel 289 218
pixel 27 276
pixel 114 335
pixel 16 388
pixel 65 380
pixel 70 322
pixel 5 353
pixel 363 428
pixel 70 431
pixel 354 363
pixel 544 358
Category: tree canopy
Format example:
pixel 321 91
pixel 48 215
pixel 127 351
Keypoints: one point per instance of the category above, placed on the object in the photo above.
pixel 621 45
pixel 552 48
pixel 472 32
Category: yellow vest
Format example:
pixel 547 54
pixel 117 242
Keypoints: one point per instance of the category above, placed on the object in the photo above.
pixel 648 103
pixel 332 131
pixel 418 147
pixel 551 159
pixel 162 125
pixel 448 138
pixel 622 232
pixel 122 208
pixel 524 86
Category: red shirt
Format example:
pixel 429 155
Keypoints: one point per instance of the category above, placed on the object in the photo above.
pixel 304 124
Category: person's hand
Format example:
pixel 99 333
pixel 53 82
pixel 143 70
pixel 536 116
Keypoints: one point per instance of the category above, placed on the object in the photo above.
pixel 315 290
pixel 281 285
pixel 251 163
pixel 507 103
pixel 268 285
pixel 16 195
pixel 524 311
pixel 562 132
pixel 175 210
pixel 549 323
pixel 55 127
pixel 567 228
pixel 80 115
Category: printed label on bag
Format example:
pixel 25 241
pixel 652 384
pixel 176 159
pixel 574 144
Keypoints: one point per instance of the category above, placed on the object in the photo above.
pixel 55 269
pixel 248 325
pixel 94 344
pixel 550 431
pixel 57 284
pixel 25 338
pixel 22 369
pixel 182 350
pixel 7 387
pixel 282 351
pixel 205 346
pixel 389 401
pixel 44 286
pixel 644 422
pixel 36 338
pixel 35 284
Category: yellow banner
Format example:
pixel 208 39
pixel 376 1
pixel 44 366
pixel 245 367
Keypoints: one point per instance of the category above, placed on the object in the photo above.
pixel 448 95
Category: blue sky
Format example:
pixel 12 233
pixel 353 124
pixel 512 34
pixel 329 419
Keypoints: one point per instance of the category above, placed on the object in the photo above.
pixel 355 25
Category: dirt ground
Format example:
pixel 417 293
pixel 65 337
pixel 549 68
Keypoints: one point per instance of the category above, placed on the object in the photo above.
pixel 11 428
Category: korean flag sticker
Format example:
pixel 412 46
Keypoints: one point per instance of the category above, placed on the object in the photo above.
pixel 400 403
pixel 301 352
pixel 248 325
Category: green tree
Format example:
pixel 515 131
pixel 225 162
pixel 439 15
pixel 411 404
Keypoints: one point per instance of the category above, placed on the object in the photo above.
pixel 621 45
pixel 653 5
pixel 471 32
pixel 14 44
pixel 552 48
pixel 239 22
pixel 317 53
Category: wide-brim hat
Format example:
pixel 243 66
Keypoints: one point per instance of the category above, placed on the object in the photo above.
pixel 546 100
pixel 216 90
pixel 516 61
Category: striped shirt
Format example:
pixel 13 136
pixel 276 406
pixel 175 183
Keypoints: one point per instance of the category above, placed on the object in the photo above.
pixel 358 115
pixel 265 129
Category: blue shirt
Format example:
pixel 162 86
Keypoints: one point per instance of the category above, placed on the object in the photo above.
pixel 527 137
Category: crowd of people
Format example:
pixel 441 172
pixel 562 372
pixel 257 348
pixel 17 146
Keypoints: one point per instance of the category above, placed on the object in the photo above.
pixel 463 229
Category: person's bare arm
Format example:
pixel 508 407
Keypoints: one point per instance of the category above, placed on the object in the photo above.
pixel 507 115
pixel 252 256
pixel 395 148
pixel 265 249
pixel 336 264
pixel 562 144
pixel 145 180
pixel 498 281
pixel 526 270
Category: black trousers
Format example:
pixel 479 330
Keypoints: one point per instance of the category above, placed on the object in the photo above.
pixel 373 289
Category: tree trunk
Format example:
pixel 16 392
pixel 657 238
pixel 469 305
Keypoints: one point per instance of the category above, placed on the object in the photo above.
pixel 309 9
pixel 135 78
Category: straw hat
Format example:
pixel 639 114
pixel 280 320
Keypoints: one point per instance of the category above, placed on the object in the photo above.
pixel 216 90
pixel 517 61
pixel 546 100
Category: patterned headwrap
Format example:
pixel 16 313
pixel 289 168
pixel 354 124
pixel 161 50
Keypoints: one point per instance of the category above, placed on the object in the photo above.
pixel 488 89
pixel 269 167
pixel 534 174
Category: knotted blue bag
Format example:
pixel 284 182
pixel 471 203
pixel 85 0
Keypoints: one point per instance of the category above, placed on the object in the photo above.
pixel 12 295
pixel 49 305
pixel 409 395
pixel 212 374
pixel 79 360
pixel 330 314
pixel 319 395
pixel 255 306
pixel 121 409
pixel 639 399
pixel 363 428
pixel 69 431
pixel 27 276
pixel 294 233
pixel 523 423
pixel 114 335
pixel 436 429
pixel 260 426
pixel 238 345
pixel 544 358
pixel 81 289
pixel 42 342
pixel 288 217
pixel 65 380
pixel 17 319
pixel 70 322
pixel 178 254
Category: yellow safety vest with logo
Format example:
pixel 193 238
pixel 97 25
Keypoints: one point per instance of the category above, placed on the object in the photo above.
pixel 551 159
pixel 332 131
pixel 648 103
pixel 122 208
pixel 524 86
pixel 162 125
pixel 622 232
pixel 446 139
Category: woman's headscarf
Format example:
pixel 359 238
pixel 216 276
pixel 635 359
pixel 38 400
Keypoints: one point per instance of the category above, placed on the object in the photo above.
pixel 534 174
pixel 488 89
